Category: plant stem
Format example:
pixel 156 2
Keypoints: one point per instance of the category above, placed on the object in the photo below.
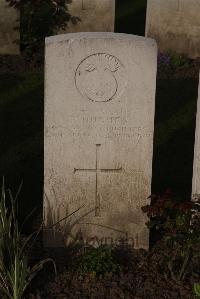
pixel 185 262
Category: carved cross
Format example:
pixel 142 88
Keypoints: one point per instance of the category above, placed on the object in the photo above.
pixel 97 170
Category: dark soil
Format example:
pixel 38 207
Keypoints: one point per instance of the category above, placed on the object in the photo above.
pixel 142 275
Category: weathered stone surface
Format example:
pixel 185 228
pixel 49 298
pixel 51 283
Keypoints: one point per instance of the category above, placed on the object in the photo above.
pixel 95 15
pixel 196 164
pixel 99 120
pixel 175 24
pixel 9 20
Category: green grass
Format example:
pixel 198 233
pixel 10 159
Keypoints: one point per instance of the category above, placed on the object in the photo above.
pixel 15 271
pixel 21 135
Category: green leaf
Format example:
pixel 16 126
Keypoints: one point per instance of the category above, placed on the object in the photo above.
pixel 197 289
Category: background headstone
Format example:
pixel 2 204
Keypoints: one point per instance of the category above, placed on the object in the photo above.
pixel 9 21
pixel 196 165
pixel 175 24
pixel 95 15
pixel 99 123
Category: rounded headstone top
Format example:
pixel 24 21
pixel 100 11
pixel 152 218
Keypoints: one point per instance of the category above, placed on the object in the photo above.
pixel 99 35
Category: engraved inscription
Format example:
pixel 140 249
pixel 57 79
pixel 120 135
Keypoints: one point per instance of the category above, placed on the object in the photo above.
pixel 97 171
pixel 97 77
pixel 94 126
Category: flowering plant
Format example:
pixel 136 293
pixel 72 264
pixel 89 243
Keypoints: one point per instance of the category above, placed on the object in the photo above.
pixel 179 223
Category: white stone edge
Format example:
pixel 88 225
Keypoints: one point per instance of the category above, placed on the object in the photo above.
pixel 98 35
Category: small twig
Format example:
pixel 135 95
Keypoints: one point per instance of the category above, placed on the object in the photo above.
pixel 170 266
pixel 186 259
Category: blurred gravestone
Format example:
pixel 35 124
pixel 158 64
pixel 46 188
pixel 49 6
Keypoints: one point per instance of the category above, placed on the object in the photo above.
pixel 99 123
pixel 196 165
pixel 175 24
pixel 94 15
pixel 9 31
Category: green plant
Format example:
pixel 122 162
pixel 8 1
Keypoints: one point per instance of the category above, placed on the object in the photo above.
pixel 15 273
pixel 169 63
pixel 178 60
pixel 98 261
pixel 39 19
pixel 197 289
pixel 179 224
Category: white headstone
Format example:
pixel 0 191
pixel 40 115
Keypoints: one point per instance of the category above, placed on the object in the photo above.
pixel 196 165
pixel 9 34
pixel 95 15
pixel 175 24
pixel 99 123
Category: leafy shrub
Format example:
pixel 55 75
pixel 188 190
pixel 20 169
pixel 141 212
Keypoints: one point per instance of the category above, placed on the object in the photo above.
pixel 179 223
pixel 175 60
pixel 178 60
pixel 169 63
pixel 98 261
pixel 41 18
pixel 15 273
